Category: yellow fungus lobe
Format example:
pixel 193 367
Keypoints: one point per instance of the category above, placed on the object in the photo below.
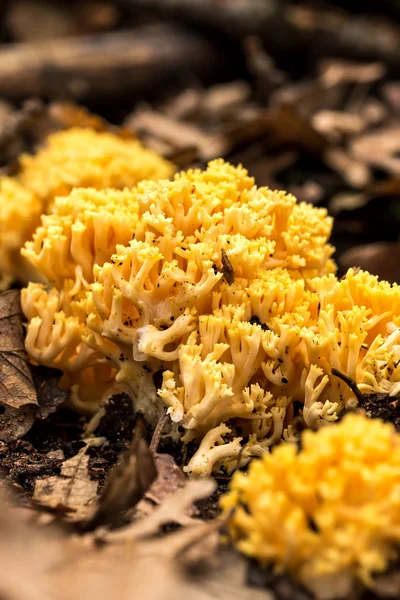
pixel 328 514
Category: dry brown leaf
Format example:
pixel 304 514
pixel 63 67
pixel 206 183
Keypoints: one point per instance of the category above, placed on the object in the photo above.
pixel 222 98
pixel 310 191
pixel 391 94
pixel 18 399
pixel 278 125
pixel 335 124
pixel 62 567
pixel 389 187
pixel 72 491
pixel 177 133
pixel 174 509
pixel 379 149
pixel 170 478
pixel 127 482
pixel 309 96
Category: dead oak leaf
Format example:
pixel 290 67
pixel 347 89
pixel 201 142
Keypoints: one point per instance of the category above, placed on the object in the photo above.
pixel 72 490
pixel 18 399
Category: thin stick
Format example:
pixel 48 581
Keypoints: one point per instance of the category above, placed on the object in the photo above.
pixel 155 440
pixel 350 382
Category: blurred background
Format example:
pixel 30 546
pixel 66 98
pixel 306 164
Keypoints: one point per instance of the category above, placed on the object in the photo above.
pixel 304 93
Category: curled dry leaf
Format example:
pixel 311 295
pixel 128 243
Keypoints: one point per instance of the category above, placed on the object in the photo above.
pixel 169 479
pixel 18 399
pixel 72 492
pixel 127 482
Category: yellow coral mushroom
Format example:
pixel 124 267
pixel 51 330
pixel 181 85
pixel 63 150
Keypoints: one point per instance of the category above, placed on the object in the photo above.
pixel 81 231
pixel 224 287
pixel 77 157
pixel 328 514
pixel 20 212
pixel 80 157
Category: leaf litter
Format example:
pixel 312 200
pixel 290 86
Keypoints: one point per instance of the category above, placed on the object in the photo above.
pixel 135 558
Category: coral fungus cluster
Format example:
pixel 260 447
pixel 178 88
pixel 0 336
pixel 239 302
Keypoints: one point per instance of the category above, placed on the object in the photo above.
pixel 76 157
pixel 225 288
pixel 329 513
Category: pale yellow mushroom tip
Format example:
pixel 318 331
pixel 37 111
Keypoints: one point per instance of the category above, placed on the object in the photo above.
pixel 334 503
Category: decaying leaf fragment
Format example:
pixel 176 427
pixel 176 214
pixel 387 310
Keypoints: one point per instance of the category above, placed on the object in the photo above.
pixel 18 400
pixel 72 491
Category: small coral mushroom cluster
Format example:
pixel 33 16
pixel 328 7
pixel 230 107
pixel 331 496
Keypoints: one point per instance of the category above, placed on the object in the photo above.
pixel 77 157
pixel 227 290
pixel 330 513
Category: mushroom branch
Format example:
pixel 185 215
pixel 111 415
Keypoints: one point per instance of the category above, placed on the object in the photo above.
pixel 335 499
pixel 228 290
